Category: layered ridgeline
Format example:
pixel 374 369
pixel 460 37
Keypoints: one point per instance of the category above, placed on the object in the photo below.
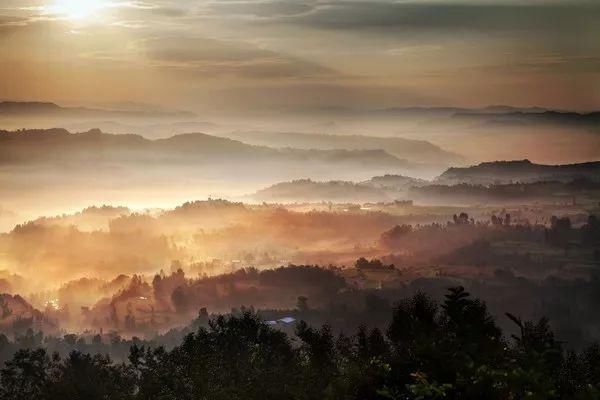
pixel 14 109
pixel 148 121
pixel 377 189
pixel 413 150
pixel 71 170
pixel 186 156
pixel 524 171
pixel 501 114
pixel 495 182
pixel 432 135
pixel 508 116
pixel 490 133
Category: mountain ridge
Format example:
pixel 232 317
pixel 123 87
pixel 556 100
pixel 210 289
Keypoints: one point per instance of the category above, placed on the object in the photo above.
pixel 523 171
pixel 59 146
pixel 18 108
pixel 410 149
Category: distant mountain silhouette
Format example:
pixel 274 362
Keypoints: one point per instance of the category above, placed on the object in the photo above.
pixel 376 189
pixel 522 117
pixel 160 129
pixel 544 192
pixel 458 186
pixel 423 111
pixel 397 182
pixel 412 150
pixel 510 109
pixel 44 109
pixel 492 115
pixel 519 171
pixel 307 190
pixel 14 107
pixel 58 146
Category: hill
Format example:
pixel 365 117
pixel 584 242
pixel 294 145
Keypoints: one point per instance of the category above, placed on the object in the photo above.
pixel 45 109
pixel 396 182
pixel 306 190
pixel 96 149
pixel 548 192
pixel 38 145
pixel 524 171
pixel 525 117
pixel 377 189
pixel 397 187
pixel 419 151
pixel 17 315
pixel 159 129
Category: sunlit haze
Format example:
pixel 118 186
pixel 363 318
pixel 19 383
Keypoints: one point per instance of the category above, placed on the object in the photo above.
pixel 77 9
pixel 299 199
pixel 280 55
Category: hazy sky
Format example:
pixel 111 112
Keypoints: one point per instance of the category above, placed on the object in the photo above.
pixel 230 54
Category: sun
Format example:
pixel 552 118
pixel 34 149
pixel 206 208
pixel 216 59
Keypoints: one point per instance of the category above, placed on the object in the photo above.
pixel 76 9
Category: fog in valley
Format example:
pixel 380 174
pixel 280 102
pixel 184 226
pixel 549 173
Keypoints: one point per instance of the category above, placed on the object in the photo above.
pixel 299 200
pixel 119 229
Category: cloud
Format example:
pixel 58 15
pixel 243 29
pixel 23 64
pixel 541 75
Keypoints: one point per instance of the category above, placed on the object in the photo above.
pixel 7 21
pixel 220 57
pixel 260 8
pixel 415 16
pixel 422 48
pixel 536 64
pixel 439 17
pixel 155 10
pixel 12 28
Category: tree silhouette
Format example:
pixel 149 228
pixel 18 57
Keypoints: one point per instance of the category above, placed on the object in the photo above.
pixel 452 350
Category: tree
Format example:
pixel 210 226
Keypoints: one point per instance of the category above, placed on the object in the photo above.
pixel 302 304
pixel 591 231
pixel 319 361
pixel 180 300
pixel 461 219
pixel 453 350
pixel 25 377
pixel 559 233
pixel 82 376
pixel 364 264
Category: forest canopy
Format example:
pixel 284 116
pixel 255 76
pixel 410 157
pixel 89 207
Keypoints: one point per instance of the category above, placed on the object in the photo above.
pixel 453 350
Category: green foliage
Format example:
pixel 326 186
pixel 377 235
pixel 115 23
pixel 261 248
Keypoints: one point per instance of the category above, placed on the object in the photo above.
pixel 422 389
pixel 430 351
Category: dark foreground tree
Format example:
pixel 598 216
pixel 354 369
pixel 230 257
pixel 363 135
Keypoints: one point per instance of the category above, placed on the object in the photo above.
pixel 452 350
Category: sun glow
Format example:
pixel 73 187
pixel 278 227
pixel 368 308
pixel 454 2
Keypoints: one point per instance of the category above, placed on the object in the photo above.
pixel 77 9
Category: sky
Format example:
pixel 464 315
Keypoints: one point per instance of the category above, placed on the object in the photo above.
pixel 240 55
